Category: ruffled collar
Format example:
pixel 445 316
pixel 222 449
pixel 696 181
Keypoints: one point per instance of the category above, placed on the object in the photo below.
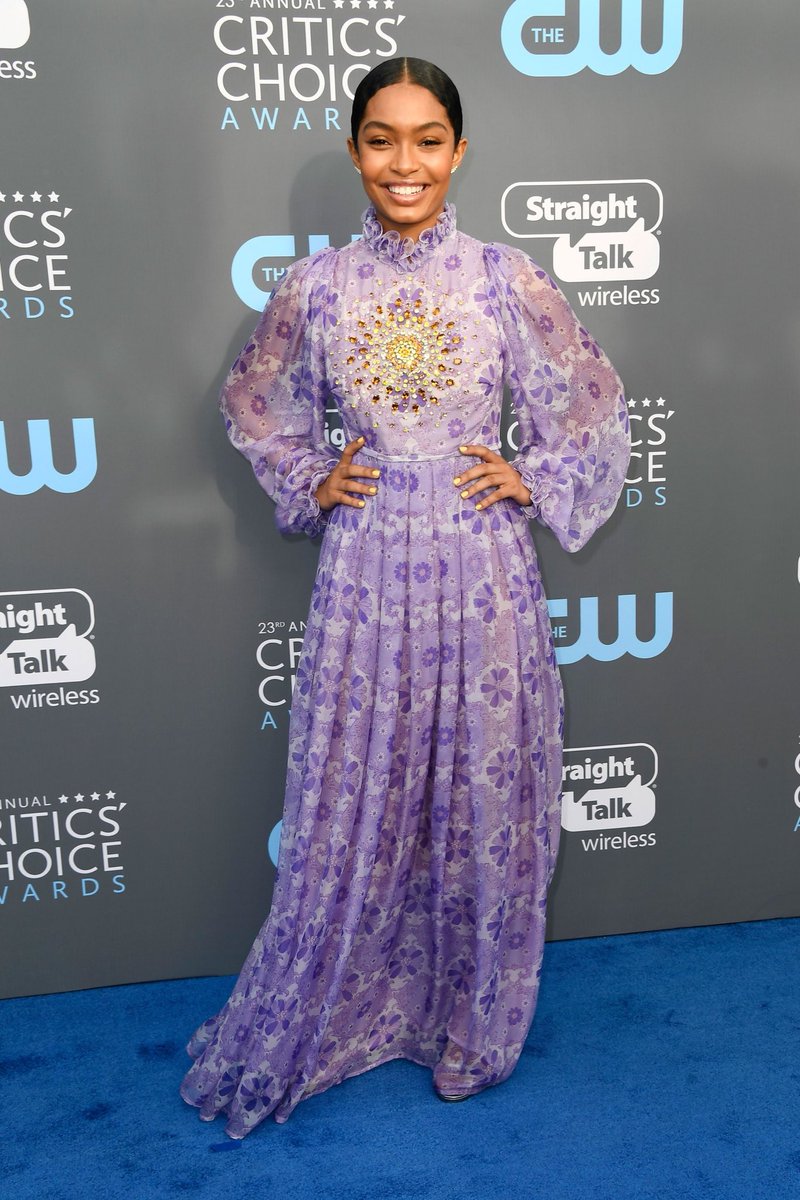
pixel 403 252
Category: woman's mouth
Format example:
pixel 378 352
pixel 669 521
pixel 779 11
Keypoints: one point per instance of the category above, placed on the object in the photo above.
pixel 405 193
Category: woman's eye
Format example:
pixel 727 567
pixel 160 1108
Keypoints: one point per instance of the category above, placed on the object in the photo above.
pixel 431 142
pixel 379 141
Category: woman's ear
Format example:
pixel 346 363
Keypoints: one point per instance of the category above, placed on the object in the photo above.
pixel 458 154
pixel 353 152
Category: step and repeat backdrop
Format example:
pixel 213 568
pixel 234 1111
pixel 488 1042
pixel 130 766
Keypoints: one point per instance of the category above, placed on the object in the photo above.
pixel 161 165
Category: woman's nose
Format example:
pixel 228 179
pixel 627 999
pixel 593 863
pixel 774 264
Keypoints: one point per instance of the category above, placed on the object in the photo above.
pixel 404 159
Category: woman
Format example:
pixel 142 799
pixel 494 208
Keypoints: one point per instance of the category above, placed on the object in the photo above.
pixel 421 818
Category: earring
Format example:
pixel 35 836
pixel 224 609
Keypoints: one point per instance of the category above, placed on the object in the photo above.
pixel 452 169
pixel 357 168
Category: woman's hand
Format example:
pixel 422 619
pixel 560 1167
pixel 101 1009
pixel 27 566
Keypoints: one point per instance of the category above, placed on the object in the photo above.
pixel 334 490
pixel 494 472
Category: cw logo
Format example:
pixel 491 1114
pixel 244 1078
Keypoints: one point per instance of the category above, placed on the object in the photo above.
pixel 15 24
pixel 521 17
pixel 588 644
pixel 42 472
pixel 268 246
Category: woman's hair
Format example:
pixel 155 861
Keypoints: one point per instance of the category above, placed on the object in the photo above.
pixel 407 70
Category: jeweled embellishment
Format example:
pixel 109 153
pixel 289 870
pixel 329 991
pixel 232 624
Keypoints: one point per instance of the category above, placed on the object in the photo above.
pixel 405 351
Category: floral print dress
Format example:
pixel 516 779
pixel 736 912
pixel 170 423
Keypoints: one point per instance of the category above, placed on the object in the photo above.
pixel 421 819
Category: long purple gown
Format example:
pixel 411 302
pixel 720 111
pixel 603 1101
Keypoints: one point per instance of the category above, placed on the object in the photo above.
pixel 421 819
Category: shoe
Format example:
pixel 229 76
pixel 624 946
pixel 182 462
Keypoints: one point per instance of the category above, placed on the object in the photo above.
pixel 463 1096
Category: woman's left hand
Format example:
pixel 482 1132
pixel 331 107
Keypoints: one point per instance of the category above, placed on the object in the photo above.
pixel 494 472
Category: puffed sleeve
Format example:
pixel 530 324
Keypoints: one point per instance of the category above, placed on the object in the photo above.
pixel 574 433
pixel 273 399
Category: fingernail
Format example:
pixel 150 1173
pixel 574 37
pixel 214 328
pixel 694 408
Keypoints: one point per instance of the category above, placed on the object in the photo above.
pixel 464 495
pixel 457 479
pixel 477 505
pixel 362 503
pixel 462 447
pixel 361 438
pixel 373 490
pixel 376 472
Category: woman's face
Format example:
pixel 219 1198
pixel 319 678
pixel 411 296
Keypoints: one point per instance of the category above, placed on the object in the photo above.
pixel 406 154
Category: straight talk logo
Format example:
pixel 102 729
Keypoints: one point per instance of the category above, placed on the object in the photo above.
pixel 609 788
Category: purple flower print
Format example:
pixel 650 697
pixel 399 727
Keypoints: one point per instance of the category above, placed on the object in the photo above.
pixel 549 385
pixel 503 767
pixel 497 686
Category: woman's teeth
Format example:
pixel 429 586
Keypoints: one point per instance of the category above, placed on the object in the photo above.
pixel 405 191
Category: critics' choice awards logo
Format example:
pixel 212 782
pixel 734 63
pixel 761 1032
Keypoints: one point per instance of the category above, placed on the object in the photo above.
pixel 261 261
pixel 63 847
pixel 603 231
pixel 46 640
pixel 34 262
pixel 574 644
pixel 42 471
pixel 609 788
pixel 293 71
pixel 646 483
pixel 15 30
pixel 556 38
pixel 280 644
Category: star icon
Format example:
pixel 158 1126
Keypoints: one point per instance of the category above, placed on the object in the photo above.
pixel 36 197
pixel 631 404
pixel 111 795
pixel 2 197
pixel 372 3
pixel 95 795
pixel 660 401
pixel 18 196
pixel 79 797
pixel 63 798
pixel 388 3
pixel 355 3
pixel 645 403
pixel 338 3
pixel 53 197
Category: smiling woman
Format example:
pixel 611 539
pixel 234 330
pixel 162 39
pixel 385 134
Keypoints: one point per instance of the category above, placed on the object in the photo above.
pixel 406 142
pixel 422 807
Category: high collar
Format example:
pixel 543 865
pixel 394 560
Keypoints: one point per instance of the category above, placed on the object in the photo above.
pixel 403 252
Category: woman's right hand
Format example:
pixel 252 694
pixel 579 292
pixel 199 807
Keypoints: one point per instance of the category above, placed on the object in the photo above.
pixel 334 490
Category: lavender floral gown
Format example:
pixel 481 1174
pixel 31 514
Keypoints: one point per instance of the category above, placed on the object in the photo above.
pixel 421 818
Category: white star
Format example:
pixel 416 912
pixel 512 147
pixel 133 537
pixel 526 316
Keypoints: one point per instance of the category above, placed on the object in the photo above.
pixel 355 3
pixel 660 401
pixel 53 196
pixel 18 197
pixel 79 797
pixel 372 3
pixel 631 404
pixel 338 3
pixel 388 3
pixel 95 795
pixel 645 404
pixel 2 197
pixel 111 795
pixel 36 197
pixel 63 799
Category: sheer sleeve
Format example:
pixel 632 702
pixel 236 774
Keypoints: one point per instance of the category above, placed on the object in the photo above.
pixel 574 445
pixel 273 399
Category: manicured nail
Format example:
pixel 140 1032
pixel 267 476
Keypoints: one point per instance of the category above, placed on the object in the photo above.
pixel 457 479
pixel 462 447
pixel 362 503
pixel 376 472
pixel 373 490
pixel 477 505
pixel 361 438
pixel 464 495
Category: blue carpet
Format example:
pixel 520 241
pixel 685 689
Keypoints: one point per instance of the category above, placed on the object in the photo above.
pixel 660 1066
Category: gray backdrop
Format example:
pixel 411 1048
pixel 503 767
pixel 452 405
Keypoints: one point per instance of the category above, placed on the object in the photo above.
pixel 152 615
